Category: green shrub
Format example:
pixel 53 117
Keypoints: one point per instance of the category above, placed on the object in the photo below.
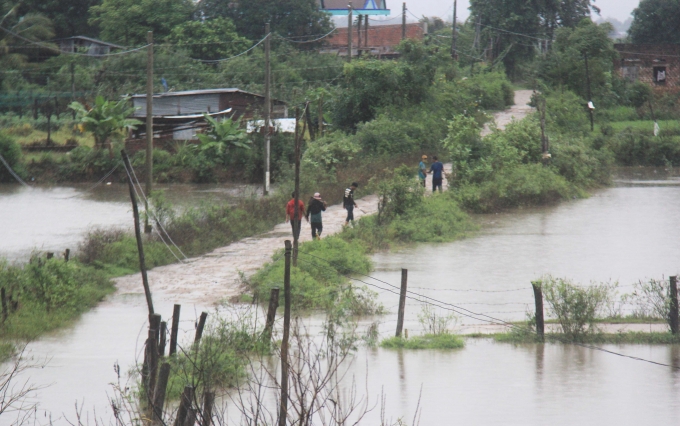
pixel 576 308
pixel 320 279
pixel 11 152
pixel 524 185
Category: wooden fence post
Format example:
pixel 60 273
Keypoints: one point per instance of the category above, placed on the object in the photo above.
pixel 402 302
pixel 162 340
pixel 50 255
pixel 67 254
pixel 208 403
pixel 152 355
pixel 283 407
pixel 673 314
pixel 159 394
pixel 184 405
pixel 271 312
pixel 174 330
pixel 199 329
pixel 538 297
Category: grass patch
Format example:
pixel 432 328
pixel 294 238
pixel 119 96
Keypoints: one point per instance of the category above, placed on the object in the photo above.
pixel 427 341
pixel 631 337
pixel 320 281
pixel 45 295
pixel 646 126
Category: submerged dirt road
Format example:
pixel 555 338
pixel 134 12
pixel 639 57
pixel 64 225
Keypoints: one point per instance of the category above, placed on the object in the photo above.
pixel 213 277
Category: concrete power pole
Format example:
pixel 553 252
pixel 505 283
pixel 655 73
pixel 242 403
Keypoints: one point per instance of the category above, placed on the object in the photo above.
pixel 267 108
pixel 454 35
pixel 149 125
pixel 403 21
pixel 349 32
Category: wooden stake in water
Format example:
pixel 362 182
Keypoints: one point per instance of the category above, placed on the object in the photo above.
pixel 174 330
pixel 271 312
pixel 538 297
pixel 402 302
pixel 674 304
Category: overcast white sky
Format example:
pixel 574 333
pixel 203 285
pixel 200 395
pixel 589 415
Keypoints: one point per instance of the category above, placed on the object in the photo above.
pixel 619 9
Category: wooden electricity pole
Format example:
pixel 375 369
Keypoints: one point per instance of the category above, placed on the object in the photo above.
pixel 349 32
pixel 590 97
pixel 403 21
pixel 138 233
pixel 283 408
pixel 402 302
pixel 267 107
pixel 149 124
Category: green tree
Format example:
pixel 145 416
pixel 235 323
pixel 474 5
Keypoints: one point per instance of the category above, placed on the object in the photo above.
pixel 656 22
pixel 212 39
pixel 128 21
pixel 565 64
pixel 289 18
pixel 106 119
pixel 513 27
pixel 67 16
pixel 25 29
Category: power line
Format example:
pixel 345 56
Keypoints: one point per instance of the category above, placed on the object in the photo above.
pixel 497 321
pixel 308 41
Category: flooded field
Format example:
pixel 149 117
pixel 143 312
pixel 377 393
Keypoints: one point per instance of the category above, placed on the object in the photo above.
pixel 624 233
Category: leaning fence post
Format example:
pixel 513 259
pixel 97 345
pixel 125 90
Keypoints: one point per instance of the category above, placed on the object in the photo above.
pixel 67 254
pixel 159 394
pixel 184 405
pixel 199 329
pixel 271 312
pixel 175 330
pixel 673 314
pixel 538 297
pixel 402 302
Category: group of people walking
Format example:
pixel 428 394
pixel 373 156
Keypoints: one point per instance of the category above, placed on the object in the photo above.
pixel 313 213
pixel 316 206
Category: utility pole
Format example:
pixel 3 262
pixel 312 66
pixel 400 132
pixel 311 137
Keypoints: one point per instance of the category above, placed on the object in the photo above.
pixel 73 86
pixel 590 97
pixel 361 18
pixel 149 125
pixel 283 408
pixel 267 108
pixel 403 21
pixel 349 32
pixel 454 35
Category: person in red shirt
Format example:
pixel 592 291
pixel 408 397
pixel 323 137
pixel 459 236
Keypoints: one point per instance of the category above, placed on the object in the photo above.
pixel 295 220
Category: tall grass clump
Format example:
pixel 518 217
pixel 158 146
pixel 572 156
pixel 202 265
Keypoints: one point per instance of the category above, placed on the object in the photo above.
pixel 437 333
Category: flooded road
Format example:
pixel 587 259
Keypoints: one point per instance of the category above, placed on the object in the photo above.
pixel 626 233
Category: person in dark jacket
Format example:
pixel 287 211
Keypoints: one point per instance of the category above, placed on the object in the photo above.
pixel 314 208
pixel 348 202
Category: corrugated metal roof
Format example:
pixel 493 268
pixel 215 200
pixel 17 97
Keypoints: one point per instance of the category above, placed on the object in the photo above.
pixel 196 92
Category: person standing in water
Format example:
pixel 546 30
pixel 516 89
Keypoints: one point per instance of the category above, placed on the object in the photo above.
pixel 348 202
pixel 314 208
pixel 437 169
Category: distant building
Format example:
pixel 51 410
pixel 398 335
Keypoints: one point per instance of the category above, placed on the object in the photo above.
pixel 179 115
pixel 655 65
pixel 376 40
pixel 359 7
pixel 87 45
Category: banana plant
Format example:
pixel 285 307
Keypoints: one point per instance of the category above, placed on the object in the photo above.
pixel 221 135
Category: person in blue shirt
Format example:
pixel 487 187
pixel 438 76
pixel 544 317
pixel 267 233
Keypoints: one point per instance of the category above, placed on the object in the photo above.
pixel 437 169
pixel 422 170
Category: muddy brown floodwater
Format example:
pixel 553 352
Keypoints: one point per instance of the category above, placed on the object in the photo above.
pixel 626 233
